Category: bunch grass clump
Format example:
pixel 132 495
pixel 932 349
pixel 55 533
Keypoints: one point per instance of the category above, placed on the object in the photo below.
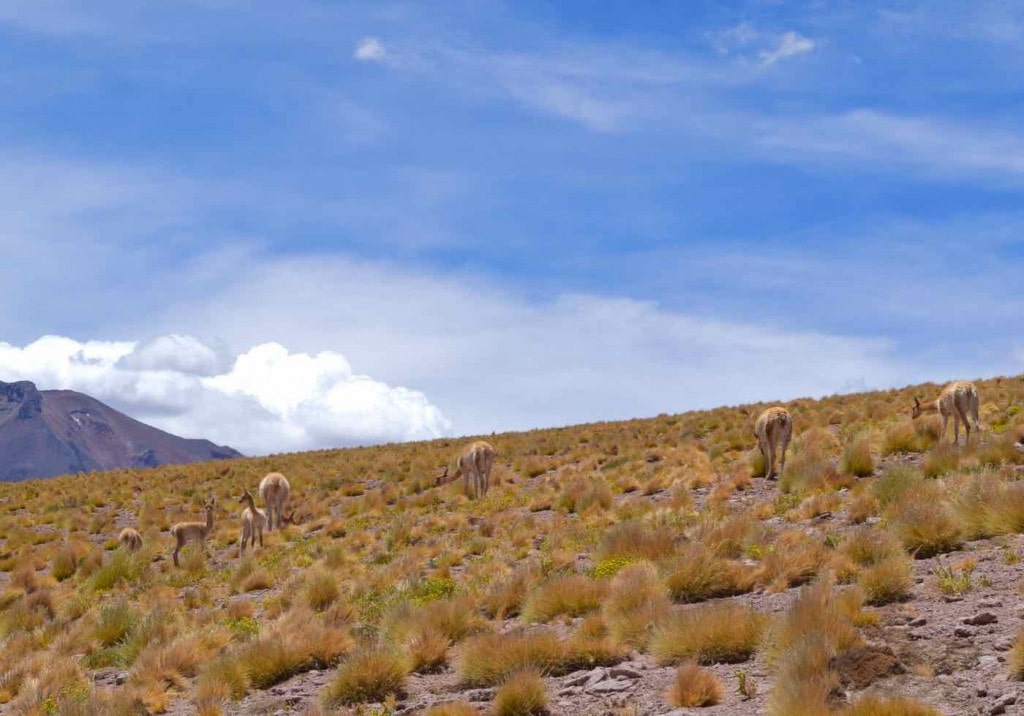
pixel 721 633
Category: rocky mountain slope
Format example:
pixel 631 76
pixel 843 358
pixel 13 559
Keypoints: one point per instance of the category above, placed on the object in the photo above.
pixel 44 433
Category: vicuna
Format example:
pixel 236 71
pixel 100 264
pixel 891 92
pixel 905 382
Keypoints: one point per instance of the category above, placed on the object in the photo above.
pixel 130 539
pixel 185 532
pixel 959 399
pixel 474 465
pixel 253 522
pixel 774 427
pixel 275 493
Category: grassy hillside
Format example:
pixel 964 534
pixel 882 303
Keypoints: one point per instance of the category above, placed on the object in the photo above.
pixel 646 544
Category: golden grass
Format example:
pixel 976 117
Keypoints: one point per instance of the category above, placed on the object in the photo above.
pixel 694 686
pixel 572 595
pixel 371 674
pixel 721 633
pixel 608 522
pixel 522 694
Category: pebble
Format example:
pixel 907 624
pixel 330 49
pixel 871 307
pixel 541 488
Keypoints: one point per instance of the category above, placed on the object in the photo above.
pixel 919 622
pixel 611 686
pixel 982 618
pixel 990 603
pixel 963 632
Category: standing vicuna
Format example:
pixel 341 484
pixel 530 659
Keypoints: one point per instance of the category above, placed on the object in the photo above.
pixel 959 399
pixel 275 493
pixel 130 539
pixel 773 427
pixel 185 532
pixel 474 465
pixel 253 522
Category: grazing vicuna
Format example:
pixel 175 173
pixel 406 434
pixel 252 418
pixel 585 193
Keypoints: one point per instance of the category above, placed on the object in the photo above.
pixel 774 427
pixel 130 539
pixel 185 532
pixel 275 493
pixel 253 522
pixel 959 399
pixel 474 466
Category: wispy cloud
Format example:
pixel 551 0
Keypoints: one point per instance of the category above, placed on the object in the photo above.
pixel 370 49
pixel 789 45
pixel 937 147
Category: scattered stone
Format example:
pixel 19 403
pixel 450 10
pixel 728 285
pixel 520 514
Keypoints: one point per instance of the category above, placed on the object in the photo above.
pixel 623 672
pixel 479 695
pixel 963 632
pixel 611 686
pixel 122 678
pixel 987 661
pixel 990 603
pixel 1004 645
pixel 981 619
pixel 953 598
pixel 919 622
pixel 981 691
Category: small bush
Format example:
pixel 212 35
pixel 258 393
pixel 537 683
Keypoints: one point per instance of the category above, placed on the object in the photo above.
pixel 572 595
pixel 925 523
pixel 636 541
pixel 894 482
pixel 694 686
pixel 120 567
pixel 522 694
pixel 636 603
pixel 1015 658
pixel 321 590
pixel 857 459
pixel 886 581
pixel 868 546
pixel 369 675
pixel 698 575
pixel 941 459
pixel 721 633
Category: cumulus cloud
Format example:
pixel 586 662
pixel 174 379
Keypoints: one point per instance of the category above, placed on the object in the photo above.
pixel 264 400
pixel 370 49
pixel 498 360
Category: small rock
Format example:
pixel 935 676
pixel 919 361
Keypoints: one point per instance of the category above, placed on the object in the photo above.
pixel 981 691
pixel 595 677
pixel 963 632
pixel 990 603
pixel 873 520
pixel 621 672
pixel 121 678
pixel 577 679
pixel 919 622
pixel 1004 645
pixel 987 661
pixel 479 695
pixel 571 691
pixel 611 686
pixel 953 598
pixel 982 618
pixel 916 635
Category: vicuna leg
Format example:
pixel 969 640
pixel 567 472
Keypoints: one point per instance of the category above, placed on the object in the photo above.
pixel 956 427
pixel 764 456
pixel 967 425
pixel 771 458
pixel 784 445
pixel 177 548
pixel 945 422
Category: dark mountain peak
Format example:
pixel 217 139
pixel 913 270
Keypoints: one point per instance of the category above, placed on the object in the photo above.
pixel 54 432
pixel 20 398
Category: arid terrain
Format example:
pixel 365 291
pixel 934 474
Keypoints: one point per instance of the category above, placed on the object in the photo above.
pixel 639 567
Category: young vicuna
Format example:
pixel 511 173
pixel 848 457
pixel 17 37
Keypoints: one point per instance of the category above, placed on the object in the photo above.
pixel 773 427
pixel 130 539
pixel 253 522
pixel 275 493
pixel 185 532
pixel 474 465
pixel 959 399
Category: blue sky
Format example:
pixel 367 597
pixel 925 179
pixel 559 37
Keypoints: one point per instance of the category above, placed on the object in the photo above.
pixel 526 213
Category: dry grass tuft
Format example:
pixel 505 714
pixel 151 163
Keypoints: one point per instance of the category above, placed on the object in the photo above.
pixel 571 595
pixel 694 686
pixel 522 694
pixel 857 458
pixel 636 603
pixel 721 633
pixel 372 674
pixel 697 574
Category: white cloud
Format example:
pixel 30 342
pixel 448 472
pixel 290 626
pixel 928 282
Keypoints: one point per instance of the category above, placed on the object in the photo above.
pixel 498 361
pixel 936 146
pixel 266 400
pixel 789 45
pixel 369 49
